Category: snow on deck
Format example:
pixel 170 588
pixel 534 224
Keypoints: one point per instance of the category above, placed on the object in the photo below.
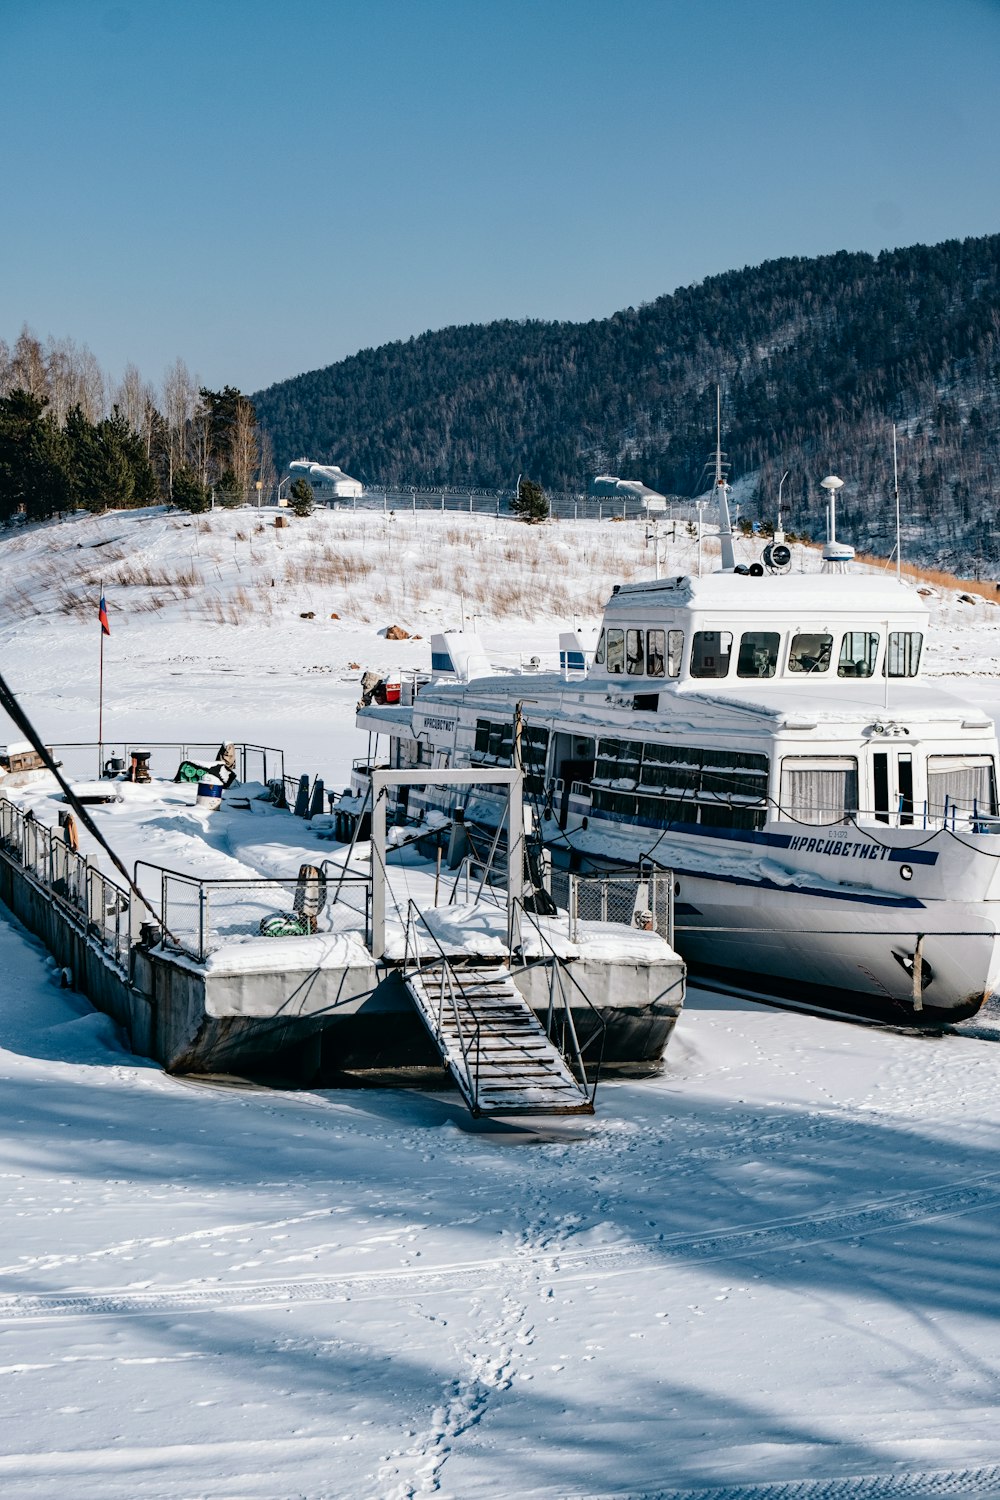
pixel 247 840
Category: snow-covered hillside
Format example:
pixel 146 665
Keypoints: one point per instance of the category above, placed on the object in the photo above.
pixel 769 1274
pixel 225 626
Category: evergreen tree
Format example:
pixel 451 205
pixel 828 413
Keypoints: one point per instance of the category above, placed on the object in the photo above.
pixel 189 492
pixel 301 497
pixel 34 473
pixel 530 504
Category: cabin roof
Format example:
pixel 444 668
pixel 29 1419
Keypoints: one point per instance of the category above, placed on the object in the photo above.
pixel 916 701
pixel 793 593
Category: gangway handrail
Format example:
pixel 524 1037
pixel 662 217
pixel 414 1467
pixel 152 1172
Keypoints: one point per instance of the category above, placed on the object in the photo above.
pixel 413 916
pixel 559 968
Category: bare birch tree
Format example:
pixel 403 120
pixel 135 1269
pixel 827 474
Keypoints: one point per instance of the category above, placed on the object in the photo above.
pixel 136 400
pixel 28 371
pixel 74 379
pixel 245 453
pixel 267 473
pixel 180 396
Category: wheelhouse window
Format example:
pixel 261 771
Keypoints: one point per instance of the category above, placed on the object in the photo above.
pixel 635 656
pixel 961 783
pixel 675 652
pixel 710 652
pixel 858 651
pixel 599 653
pixel 655 652
pixel 758 653
pixel 902 654
pixel 616 650
pixel 810 652
pixel 819 789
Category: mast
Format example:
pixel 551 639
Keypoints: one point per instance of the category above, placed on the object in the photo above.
pixel 721 493
pixel 895 485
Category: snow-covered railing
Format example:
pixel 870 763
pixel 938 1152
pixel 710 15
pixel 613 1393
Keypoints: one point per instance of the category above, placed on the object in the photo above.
pixel 203 916
pixel 100 905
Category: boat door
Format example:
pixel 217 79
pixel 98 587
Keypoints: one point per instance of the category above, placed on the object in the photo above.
pixel 573 761
pixel 892 783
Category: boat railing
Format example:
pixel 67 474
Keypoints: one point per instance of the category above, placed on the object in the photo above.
pixel 953 815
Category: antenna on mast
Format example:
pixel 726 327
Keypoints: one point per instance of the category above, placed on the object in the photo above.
pixel 835 554
pixel 779 535
pixel 721 492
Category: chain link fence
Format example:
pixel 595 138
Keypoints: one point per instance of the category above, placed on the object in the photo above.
pixel 627 898
pixel 566 505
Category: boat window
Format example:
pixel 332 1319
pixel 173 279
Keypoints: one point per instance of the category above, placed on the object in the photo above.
pixel 961 784
pixel 616 650
pixel 810 652
pixel 618 763
pixel 495 747
pixel 902 656
pixel 858 651
pixel 710 651
pixel 819 789
pixel 654 652
pixel 675 652
pixel 599 653
pixel 658 785
pixel 634 654
pixel 758 653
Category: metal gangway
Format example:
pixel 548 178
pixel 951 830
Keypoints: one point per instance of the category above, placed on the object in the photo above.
pixel 502 1059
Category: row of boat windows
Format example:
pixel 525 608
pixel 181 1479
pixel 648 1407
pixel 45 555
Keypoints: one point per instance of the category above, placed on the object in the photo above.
pixel 495 747
pixel 660 653
pixel 656 784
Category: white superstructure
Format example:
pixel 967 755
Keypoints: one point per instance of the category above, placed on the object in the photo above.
pixel 831 818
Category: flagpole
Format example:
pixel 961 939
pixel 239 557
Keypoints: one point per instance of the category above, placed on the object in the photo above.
pixel 100 700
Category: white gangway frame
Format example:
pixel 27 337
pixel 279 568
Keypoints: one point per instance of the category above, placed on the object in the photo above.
pixel 512 777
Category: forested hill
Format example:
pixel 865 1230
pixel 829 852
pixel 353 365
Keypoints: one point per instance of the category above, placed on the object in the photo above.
pixel 817 358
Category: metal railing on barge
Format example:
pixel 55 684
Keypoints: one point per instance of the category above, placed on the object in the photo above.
pixel 87 758
pixel 202 916
pixel 99 904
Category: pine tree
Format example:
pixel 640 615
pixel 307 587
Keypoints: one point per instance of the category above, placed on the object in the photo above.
pixel 301 497
pixel 530 504
pixel 189 492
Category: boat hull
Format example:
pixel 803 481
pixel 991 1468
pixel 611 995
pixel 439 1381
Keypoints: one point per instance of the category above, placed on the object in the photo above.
pixel 853 955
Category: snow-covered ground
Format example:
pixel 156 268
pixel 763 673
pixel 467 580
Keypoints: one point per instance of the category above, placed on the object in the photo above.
pixel 770 1272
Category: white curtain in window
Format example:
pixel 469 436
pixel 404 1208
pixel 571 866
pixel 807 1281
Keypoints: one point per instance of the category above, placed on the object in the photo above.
pixel 819 791
pixel 964 781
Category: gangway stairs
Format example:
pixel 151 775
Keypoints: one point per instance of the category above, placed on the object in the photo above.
pixel 491 1042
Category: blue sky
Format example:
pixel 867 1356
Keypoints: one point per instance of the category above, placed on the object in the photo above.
pixel 264 187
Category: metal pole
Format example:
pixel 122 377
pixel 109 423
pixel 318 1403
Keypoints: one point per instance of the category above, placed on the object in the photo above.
pixel 100 696
pixel 895 485
pixel 378 870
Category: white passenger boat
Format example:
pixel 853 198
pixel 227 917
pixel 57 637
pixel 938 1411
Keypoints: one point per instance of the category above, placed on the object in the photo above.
pixel 829 816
